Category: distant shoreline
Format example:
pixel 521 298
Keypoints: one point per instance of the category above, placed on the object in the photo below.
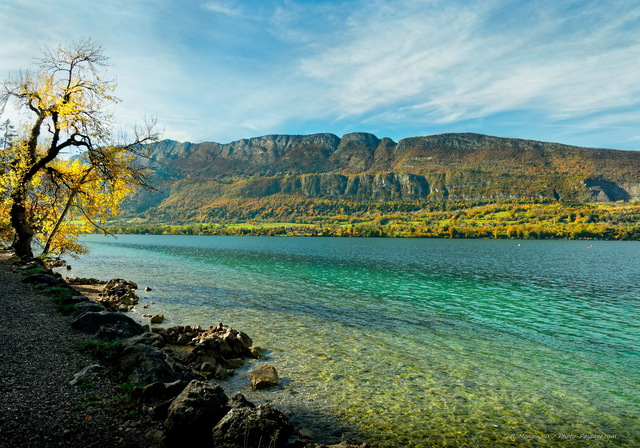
pixel 506 219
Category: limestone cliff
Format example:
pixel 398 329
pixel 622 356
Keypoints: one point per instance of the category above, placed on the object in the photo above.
pixel 363 167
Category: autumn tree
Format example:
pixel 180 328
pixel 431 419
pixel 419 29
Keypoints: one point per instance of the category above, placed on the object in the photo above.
pixel 68 103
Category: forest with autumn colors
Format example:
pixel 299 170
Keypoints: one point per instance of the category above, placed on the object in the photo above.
pixel 446 186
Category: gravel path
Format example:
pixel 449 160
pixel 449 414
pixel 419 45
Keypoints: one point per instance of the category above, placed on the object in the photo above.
pixel 38 359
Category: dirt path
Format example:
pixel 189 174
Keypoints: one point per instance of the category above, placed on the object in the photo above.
pixel 38 359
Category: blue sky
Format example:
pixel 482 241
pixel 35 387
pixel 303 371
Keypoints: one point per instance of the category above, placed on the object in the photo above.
pixel 221 70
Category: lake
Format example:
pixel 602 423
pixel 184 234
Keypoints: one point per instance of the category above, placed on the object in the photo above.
pixel 414 342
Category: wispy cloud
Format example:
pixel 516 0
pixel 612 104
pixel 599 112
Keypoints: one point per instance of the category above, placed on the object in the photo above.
pixel 450 61
pixel 224 69
pixel 226 8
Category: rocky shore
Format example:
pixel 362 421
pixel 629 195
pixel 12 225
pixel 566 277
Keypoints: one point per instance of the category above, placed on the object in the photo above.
pixel 89 375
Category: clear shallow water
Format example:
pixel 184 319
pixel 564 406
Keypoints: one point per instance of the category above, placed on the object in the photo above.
pixel 415 342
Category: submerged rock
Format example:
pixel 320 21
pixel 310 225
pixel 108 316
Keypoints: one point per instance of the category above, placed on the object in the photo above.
pixel 264 377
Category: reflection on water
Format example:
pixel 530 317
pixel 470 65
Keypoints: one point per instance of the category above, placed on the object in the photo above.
pixel 416 342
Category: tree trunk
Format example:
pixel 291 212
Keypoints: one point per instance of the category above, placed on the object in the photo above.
pixel 24 232
pixel 63 215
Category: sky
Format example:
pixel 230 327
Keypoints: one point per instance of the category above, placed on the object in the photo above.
pixel 221 70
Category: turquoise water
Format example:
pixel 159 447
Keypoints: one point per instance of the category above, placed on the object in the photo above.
pixel 415 342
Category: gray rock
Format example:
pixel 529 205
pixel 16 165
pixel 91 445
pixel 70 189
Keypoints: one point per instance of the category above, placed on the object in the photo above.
pixel 112 324
pixel 208 367
pixel 90 372
pixel 240 401
pixel 119 295
pixel 89 307
pixel 147 338
pixel 74 298
pixel 147 364
pixel 194 413
pixel 157 318
pixel 307 434
pixel 253 426
pixel 264 377
pixel 256 352
pixel 43 278
pixel 157 397
pixel 234 363
pixel 221 373
pixel 183 339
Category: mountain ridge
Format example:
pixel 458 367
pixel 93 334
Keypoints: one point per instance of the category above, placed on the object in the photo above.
pixel 363 152
pixel 462 166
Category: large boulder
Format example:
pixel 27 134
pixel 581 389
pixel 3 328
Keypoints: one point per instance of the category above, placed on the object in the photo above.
pixel 147 338
pixel 44 278
pixel 143 360
pixel 157 397
pixel 110 325
pixel 240 401
pixel 264 377
pixel 87 306
pixel 252 427
pixel 194 413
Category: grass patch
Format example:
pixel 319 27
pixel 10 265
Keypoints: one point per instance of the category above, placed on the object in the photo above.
pixel 99 349
pixel 84 383
pixel 127 388
pixel 122 403
pixel 33 270
pixel 125 404
pixel 129 414
pixel 88 401
pixel 66 308
pixel 59 294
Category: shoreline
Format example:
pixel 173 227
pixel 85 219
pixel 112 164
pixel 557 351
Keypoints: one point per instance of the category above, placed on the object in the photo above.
pixel 151 430
pixel 40 408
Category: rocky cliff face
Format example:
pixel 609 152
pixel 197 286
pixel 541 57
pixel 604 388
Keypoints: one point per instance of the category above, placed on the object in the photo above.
pixel 362 167
pixel 363 187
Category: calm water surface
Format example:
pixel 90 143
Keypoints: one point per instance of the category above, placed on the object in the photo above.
pixel 415 342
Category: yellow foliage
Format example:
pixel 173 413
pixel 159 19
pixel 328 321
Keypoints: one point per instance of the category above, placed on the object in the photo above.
pixel 78 197
pixel 51 199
